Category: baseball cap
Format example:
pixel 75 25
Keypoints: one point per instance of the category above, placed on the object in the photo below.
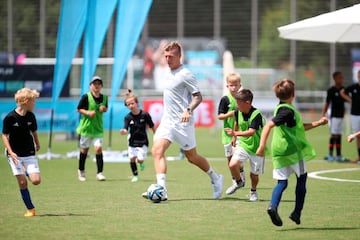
pixel 96 78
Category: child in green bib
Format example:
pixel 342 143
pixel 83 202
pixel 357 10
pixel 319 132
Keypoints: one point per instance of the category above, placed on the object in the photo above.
pixel 289 149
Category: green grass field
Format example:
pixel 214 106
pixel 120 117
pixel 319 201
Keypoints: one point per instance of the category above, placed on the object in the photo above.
pixel 114 209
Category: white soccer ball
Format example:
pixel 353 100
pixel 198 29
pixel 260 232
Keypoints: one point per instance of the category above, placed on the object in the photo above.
pixel 156 193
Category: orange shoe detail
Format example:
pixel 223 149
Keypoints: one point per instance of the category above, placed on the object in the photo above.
pixel 30 213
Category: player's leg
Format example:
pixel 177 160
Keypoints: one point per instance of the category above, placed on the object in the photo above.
pixel 84 144
pixel 256 168
pixel 337 131
pixel 235 165
pixel 355 124
pixel 18 172
pixel 132 152
pixel 98 142
pixel 141 155
pixel 300 190
pixel 202 163
pixel 32 168
pixel 160 145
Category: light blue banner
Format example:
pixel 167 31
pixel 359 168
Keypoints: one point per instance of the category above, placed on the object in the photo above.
pixel 99 15
pixel 72 21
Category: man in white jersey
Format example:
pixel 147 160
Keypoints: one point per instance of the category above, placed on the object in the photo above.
pixel 181 97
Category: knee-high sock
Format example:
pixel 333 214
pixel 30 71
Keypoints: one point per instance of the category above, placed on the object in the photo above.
pixel 338 146
pixel 331 146
pixel 300 193
pixel 25 194
pixel 82 159
pixel 134 168
pixel 99 162
pixel 277 192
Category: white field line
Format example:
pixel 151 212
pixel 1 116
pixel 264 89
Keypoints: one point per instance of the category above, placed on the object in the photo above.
pixel 316 175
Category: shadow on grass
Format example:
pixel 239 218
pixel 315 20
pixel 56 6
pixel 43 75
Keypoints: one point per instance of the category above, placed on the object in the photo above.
pixel 247 200
pixel 222 199
pixel 62 215
pixel 320 228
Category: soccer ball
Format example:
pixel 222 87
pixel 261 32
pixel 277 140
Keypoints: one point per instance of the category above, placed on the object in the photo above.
pixel 156 193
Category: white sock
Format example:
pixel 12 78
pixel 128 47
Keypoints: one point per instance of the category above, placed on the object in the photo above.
pixel 161 179
pixel 212 174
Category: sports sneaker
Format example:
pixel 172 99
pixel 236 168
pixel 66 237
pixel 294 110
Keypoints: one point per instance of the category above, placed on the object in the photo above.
pixel 242 175
pixel 275 218
pixel 142 166
pixel 81 175
pixel 295 217
pixel 235 186
pixel 356 161
pixel 135 179
pixel 218 186
pixel 145 195
pixel 30 213
pixel 329 158
pixel 253 196
pixel 100 177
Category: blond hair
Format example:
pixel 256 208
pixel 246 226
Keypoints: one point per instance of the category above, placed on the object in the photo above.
pixel 233 78
pixel 173 45
pixel 25 94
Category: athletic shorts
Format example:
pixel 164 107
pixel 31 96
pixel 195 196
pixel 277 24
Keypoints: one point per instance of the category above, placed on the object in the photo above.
pixel 355 123
pixel 256 163
pixel 85 142
pixel 138 152
pixel 284 173
pixel 182 133
pixel 30 163
pixel 336 125
pixel 228 148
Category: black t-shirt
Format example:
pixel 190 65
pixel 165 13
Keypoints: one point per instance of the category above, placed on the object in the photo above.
pixel 337 103
pixel 84 101
pixel 137 125
pixel 224 105
pixel 256 123
pixel 354 92
pixel 20 128
pixel 285 116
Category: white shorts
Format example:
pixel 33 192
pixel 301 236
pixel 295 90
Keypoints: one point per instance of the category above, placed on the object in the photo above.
pixel 30 163
pixel 228 148
pixel 355 123
pixel 284 173
pixel 138 152
pixel 256 162
pixel 182 133
pixel 86 141
pixel 336 125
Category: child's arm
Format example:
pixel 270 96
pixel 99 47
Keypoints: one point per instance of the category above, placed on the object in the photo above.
pixel 37 142
pixel 13 155
pixel 264 136
pixel 315 124
pixel 223 116
pixel 351 137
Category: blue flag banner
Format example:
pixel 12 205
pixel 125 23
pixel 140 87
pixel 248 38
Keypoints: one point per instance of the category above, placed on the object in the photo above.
pixel 99 16
pixel 130 21
pixel 73 16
